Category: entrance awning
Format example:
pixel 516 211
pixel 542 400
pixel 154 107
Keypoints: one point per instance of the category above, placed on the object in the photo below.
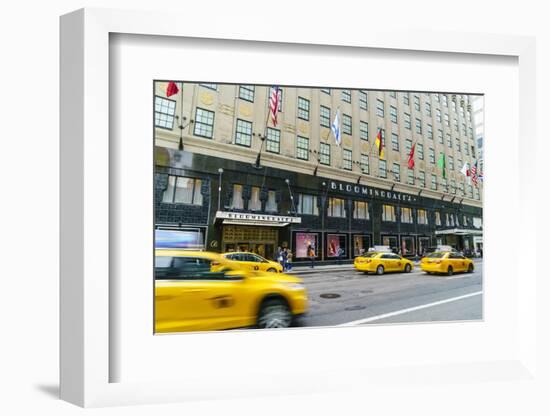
pixel 459 231
pixel 245 218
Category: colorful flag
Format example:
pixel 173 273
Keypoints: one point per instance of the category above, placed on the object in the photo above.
pixel 473 174
pixel 441 164
pixel 411 157
pixel 274 104
pixel 466 171
pixel 380 144
pixel 335 127
pixel 172 89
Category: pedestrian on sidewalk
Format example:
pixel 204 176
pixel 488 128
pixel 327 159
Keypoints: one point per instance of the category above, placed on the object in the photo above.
pixel 340 254
pixel 279 255
pixel 311 255
pixel 284 255
pixel 288 260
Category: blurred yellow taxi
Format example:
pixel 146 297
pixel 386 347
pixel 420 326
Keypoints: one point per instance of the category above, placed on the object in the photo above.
pixel 447 262
pixel 382 262
pixel 253 262
pixel 203 291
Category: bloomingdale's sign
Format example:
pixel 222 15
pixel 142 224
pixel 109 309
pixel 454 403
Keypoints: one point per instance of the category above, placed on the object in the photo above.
pixel 371 192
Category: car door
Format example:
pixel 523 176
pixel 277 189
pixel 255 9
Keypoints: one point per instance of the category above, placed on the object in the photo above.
pixel 398 262
pixel 190 297
pixel 244 261
pixel 388 262
pixel 462 262
pixel 178 294
pixel 261 263
pixel 456 261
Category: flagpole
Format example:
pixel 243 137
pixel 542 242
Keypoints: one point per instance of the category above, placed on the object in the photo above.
pixel 180 145
pixel 264 137
pixel 319 154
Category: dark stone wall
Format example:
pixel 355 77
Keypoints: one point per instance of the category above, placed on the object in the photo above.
pixel 234 172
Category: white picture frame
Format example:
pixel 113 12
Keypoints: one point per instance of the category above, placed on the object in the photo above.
pixel 86 334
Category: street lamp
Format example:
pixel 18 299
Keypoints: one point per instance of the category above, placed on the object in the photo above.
pixel 291 196
pixel 181 127
pixel 220 171
pixel 257 163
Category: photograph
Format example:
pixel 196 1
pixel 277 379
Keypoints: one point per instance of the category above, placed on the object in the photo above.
pixel 280 206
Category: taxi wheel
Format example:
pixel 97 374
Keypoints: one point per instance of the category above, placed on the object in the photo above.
pixel 450 271
pixel 471 268
pixel 272 270
pixel 407 268
pixel 274 313
pixel 380 270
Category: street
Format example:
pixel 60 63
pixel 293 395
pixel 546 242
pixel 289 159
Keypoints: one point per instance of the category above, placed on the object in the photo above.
pixel 344 296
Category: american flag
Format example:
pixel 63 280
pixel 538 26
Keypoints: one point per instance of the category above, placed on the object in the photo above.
pixel 473 173
pixel 274 104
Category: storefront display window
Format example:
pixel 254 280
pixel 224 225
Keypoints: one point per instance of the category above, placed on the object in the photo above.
pixel 407 246
pixel 361 244
pixel 303 241
pixel 390 241
pixel 336 245
pixel 423 245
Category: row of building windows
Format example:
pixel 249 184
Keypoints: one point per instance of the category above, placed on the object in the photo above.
pixel 254 203
pixel 204 122
pixel 246 92
pixel 185 190
pixel 337 208
pixel 165 110
pixel 204 125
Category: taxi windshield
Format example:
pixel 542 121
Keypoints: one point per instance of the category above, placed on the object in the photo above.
pixel 436 255
pixel 369 254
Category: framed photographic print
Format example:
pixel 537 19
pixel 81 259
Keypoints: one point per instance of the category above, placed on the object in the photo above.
pixel 244 215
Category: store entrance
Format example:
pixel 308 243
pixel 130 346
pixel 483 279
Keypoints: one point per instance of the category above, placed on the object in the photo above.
pixel 259 240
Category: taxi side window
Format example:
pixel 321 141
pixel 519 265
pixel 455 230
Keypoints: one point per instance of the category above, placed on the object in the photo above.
pixel 186 268
pixel 387 256
pixel 162 266
pixel 254 258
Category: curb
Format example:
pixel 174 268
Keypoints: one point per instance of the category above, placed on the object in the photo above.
pixel 306 270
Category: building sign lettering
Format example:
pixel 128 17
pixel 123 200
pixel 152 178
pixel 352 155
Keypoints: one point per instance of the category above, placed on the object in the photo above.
pixel 257 217
pixel 371 192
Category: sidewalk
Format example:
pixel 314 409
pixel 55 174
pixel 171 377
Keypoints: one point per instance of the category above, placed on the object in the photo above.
pixel 305 269
pixel 301 270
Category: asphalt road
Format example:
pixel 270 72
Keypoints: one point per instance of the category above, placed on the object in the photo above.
pixel 391 298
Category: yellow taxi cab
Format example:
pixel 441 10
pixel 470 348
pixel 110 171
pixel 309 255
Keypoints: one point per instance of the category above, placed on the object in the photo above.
pixel 382 262
pixel 447 262
pixel 203 291
pixel 254 262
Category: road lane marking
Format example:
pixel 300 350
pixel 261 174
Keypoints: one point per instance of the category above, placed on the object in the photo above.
pixel 414 308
